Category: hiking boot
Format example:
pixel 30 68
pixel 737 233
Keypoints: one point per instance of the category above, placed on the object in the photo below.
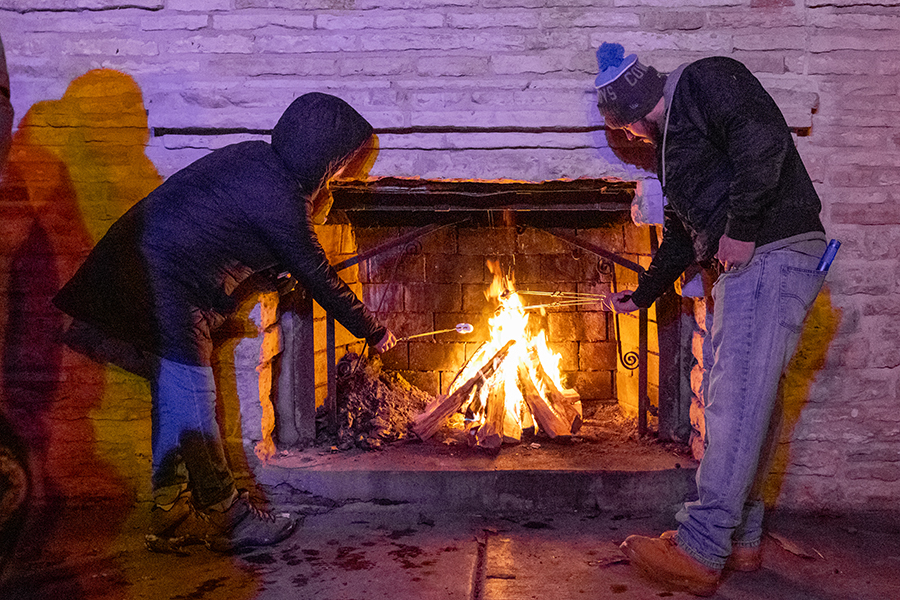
pixel 664 562
pixel 176 525
pixel 243 526
pixel 743 558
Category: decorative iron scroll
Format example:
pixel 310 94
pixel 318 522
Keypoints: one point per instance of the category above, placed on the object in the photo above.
pixel 630 360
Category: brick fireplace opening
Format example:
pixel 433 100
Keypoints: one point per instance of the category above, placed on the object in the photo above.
pixel 427 245
pixel 417 251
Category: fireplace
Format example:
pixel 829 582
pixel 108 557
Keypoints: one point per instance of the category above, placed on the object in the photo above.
pixel 424 249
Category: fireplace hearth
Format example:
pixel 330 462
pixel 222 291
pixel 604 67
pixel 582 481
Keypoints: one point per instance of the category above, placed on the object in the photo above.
pixel 425 253
pixel 422 250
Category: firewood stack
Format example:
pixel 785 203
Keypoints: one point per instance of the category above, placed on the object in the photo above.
pixel 547 408
pixel 426 424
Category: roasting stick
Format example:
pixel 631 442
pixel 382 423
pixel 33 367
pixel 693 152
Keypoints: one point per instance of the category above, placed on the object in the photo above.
pixel 460 328
pixel 565 295
pixel 562 303
pixel 558 293
pixel 565 299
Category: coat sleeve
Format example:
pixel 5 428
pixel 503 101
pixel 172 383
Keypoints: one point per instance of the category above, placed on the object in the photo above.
pixel 742 119
pixel 290 233
pixel 674 255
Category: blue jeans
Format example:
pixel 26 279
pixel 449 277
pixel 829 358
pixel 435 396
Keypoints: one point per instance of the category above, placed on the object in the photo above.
pixel 187 446
pixel 759 313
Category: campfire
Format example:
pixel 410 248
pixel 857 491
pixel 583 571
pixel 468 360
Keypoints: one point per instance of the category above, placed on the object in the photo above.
pixel 511 386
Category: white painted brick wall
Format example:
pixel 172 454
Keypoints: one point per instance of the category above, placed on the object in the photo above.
pixel 832 65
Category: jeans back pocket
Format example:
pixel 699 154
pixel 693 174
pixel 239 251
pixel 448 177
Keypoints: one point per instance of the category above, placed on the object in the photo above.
pixel 798 291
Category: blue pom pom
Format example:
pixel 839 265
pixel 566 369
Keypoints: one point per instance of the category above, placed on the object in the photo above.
pixel 610 55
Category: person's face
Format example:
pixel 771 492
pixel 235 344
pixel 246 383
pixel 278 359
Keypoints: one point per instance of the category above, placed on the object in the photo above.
pixel 644 130
pixel 358 165
pixel 337 174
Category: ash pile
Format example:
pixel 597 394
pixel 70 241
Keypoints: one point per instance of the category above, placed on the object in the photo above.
pixel 374 407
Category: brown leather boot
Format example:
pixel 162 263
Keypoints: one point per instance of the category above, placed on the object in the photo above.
pixel 242 525
pixel 743 558
pixel 664 562
pixel 175 526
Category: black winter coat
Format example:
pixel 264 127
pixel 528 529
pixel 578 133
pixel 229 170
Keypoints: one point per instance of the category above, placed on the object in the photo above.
pixel 729 167
pixel 163 275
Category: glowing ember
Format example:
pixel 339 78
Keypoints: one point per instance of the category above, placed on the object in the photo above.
pixel 524 388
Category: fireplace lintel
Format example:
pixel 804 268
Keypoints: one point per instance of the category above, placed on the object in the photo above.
pixel 415 201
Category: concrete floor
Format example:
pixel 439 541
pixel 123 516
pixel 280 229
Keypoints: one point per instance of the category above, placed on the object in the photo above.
pixel 366 551
pixel 441 521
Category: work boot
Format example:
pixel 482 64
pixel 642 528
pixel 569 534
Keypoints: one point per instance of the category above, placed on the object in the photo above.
pixel 664 562
pixel 242 525
pixel 743 558
pixel 176 525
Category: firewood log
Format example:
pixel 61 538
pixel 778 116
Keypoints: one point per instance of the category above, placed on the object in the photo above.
pixel 490 434
pixel 546 417
pixel 512 429
pixel 565 402
pixel 426 424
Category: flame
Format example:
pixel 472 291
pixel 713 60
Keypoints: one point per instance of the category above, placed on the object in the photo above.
pixel 509 322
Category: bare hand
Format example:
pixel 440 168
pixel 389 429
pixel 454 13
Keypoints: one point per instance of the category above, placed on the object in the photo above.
pixel 387 342
pixel 734 254
pixel 620 302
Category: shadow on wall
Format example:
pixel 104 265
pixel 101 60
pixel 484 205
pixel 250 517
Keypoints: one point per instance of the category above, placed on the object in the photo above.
pixel 809 359
pixel 76 165
pixel 69 176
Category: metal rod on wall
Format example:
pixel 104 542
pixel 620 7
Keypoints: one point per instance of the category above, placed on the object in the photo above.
pixel 643 399
pixel 331 353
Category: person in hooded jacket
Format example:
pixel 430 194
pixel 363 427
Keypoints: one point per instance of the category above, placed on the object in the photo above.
pixel 742 205
pixel 155 287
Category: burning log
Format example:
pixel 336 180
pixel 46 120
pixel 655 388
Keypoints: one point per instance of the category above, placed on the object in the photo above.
pixel 565 402
pixel 545 415
pixel 490 433
pixel 569 403
pixel 426 424
pixel 512 429
pixel 500 425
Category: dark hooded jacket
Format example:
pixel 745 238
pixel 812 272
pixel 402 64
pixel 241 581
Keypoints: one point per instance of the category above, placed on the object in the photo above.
pixel 728 165
pixel 164 274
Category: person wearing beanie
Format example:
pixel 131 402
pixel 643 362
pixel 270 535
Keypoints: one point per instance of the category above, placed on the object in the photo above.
pixel 741 204
pixel 150 294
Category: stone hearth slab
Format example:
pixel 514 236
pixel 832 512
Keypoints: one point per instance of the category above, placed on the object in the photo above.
pixel 628 476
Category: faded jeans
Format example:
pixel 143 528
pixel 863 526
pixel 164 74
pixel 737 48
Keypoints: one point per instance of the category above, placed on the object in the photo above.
pixel 187 446
pixel 759 314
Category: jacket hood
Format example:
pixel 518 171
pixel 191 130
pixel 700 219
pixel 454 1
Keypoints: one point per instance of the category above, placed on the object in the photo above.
pixel 315 134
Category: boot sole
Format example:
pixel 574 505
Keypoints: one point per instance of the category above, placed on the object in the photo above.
pixel 671 582
pixel 225 545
